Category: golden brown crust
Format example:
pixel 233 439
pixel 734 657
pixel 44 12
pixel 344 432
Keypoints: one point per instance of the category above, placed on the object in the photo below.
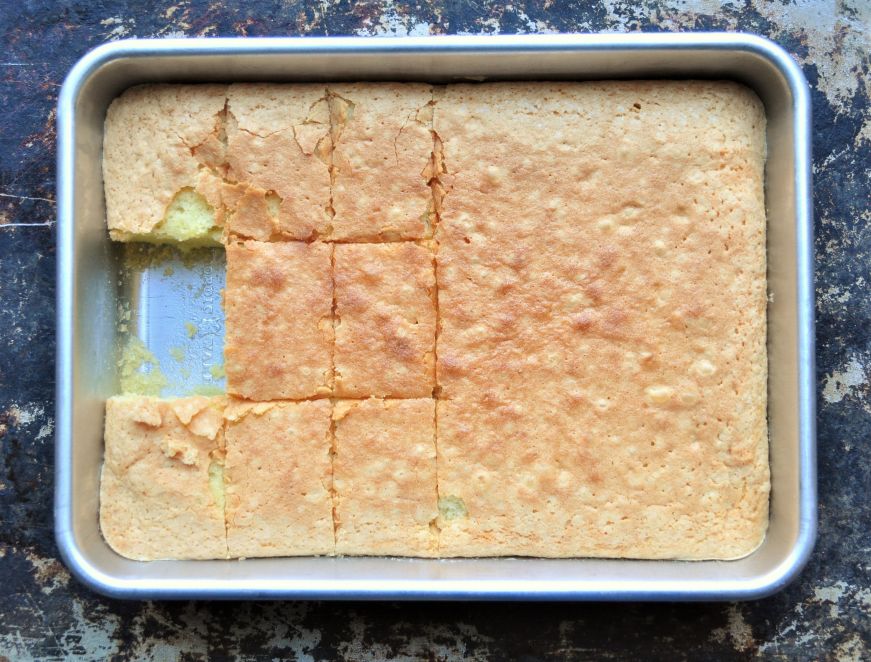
pixel 385 477
pixel 601 355
pixel 278 142
pixel 278 479
pixel 155 497
pixel 381 157
pixel 279 333
pixel 629 295
pixel 385 320
pixel 158 140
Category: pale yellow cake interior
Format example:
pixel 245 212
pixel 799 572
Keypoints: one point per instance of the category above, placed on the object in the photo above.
pixel 189 222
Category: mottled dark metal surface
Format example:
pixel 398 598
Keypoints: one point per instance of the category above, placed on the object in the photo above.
pixel 44 614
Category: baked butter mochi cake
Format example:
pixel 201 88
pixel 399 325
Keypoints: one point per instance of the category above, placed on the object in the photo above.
pixel 496 319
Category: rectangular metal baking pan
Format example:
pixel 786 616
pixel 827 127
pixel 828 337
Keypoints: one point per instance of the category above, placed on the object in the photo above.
pixel 88 292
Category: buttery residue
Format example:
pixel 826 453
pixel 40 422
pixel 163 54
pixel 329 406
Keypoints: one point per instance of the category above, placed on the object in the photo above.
pixel 124 317
pixel 140 256
pixel 452 507
pixel 140 370
pixel 207 390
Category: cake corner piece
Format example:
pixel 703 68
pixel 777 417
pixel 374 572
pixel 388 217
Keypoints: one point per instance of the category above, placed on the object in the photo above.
pixel 158 499
pixel 160 152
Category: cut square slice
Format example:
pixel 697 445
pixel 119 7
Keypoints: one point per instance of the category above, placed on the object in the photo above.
pixel 385 320
pixel 277 476
pixel 385 477
pixel 162 152
pixel 381 161
pixel 278 149
pixel 279 332
pixel 161 494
